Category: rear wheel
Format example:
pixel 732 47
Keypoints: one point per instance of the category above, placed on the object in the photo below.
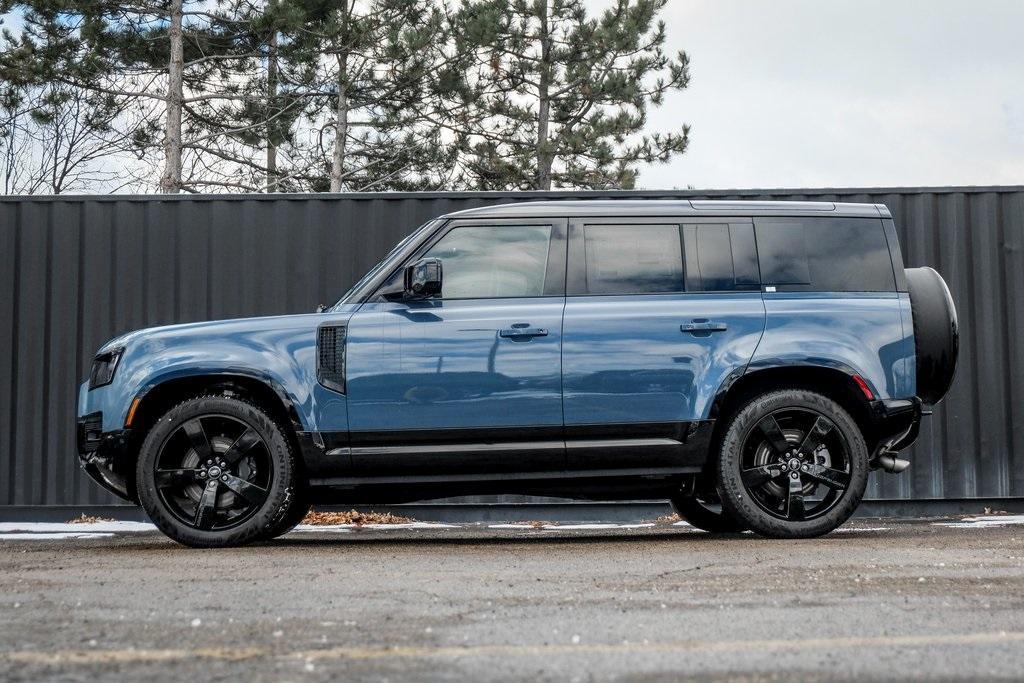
pixel 793 464
pixel 217 471
pixel 705 512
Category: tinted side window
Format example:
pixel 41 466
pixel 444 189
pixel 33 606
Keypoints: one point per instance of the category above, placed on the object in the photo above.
pixel 633 259
pixel 486 262
pixel 720 257
pixel 824 254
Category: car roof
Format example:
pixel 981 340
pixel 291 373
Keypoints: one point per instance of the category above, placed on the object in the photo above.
pixel 669 207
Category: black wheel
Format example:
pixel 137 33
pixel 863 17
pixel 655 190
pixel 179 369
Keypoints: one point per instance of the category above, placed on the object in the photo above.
pixel 705 511
pixel 216 471
pixel 793 464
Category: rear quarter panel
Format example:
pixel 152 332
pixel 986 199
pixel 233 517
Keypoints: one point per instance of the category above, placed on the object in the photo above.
pixel 858 333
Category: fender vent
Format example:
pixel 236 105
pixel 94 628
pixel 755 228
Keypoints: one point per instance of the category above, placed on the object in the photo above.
pixel 330 357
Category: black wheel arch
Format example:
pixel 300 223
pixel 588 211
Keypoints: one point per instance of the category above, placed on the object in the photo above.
pixel 157 398
pixel 834 383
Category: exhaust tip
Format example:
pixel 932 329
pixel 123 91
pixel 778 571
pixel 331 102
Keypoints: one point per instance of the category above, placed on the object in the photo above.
pixel 891 464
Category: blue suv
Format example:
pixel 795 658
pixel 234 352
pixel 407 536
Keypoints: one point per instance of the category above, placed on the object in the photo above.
pixel 749 361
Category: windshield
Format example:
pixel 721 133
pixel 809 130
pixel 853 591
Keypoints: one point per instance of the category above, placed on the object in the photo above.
pixel 382 264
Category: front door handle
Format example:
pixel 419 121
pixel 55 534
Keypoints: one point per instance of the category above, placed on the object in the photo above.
pixel 522 332
pixel 703 325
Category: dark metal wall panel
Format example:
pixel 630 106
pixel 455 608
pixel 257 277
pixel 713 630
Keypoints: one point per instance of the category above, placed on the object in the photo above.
pixel 77 270
pixel 9 248
pixel 1011 211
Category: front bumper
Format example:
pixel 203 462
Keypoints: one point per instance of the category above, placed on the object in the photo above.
pixel 104 455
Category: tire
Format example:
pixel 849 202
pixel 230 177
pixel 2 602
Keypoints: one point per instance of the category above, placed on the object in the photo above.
pixel 705 513
pixel 217 471
pixel 936 333
pixel 296 514
pixel 780 452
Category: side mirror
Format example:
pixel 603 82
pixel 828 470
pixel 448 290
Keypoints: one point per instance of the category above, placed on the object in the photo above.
pixel 423 279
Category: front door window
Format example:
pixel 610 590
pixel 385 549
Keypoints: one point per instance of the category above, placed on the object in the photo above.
pixel 489 262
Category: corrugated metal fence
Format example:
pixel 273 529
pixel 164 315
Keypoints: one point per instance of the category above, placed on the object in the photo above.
pixel 75 271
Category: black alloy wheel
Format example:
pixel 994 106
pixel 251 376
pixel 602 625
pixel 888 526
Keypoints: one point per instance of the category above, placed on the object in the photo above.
pixel 794 464
pixel 789 457
pixel 217 471
pixel 213 472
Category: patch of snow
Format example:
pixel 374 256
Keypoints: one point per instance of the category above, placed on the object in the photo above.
pixel 48 536
pixel 326 528
pixel 575 527
pixel 341 528
pixel 979 522
pixel 413 525
pixel 571 527
pixel 856 530
pixel 64 527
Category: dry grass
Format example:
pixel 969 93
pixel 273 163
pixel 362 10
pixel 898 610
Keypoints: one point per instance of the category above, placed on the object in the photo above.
pixel 990 511
pixel 669 519
pixel 353 517
pixel 539 525
pixel 88 519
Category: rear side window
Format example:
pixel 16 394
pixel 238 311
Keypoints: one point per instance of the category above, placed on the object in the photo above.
pixel 720 257
pixel 633 259
pixel 824 254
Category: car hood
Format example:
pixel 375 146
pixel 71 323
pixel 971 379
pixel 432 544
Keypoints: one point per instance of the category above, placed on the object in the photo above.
pixel 233 327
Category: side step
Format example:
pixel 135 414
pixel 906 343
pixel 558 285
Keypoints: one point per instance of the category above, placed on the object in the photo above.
pixel 647 472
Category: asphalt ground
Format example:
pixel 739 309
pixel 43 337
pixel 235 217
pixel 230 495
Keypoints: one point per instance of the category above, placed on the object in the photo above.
pixel 878 599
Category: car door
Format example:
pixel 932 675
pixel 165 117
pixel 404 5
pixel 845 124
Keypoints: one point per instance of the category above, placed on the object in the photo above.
pixel 468 381
pixel 659 312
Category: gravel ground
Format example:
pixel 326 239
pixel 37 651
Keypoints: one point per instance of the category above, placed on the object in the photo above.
pixel 881 599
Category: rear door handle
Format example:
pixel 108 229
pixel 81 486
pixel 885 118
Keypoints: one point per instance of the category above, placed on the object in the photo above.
pixel 702 325
pixel 522 332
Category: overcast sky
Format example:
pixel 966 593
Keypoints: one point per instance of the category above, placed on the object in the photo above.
pixel 806 93
pixel 830 93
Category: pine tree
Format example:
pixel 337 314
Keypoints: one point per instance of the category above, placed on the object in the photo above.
pixel 561 98
pixel 175 61
pixel 55 138
pixel 367 70
pixel 263 115
pixel 342 97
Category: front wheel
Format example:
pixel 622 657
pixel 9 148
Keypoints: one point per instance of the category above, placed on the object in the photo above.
pixel 217 471
pixel 298 511
pixel 793 464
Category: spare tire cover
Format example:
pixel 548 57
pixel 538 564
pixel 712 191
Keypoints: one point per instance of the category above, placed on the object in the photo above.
pixel 936 333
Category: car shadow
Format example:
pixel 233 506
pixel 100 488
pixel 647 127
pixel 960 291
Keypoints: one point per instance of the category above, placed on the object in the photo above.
pixel 472 537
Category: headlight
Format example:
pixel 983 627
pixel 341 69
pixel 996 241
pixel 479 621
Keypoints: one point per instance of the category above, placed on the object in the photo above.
pixel 103 367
